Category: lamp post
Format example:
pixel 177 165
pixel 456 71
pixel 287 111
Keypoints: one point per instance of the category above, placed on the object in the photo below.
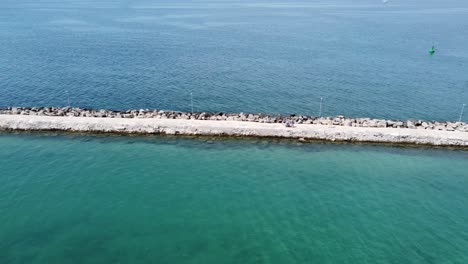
pixel 461 113
pixel 68 98
pixel 320 111
pixel 191 101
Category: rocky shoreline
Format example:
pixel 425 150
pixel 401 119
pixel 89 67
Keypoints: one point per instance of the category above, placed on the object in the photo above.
pixel 241 117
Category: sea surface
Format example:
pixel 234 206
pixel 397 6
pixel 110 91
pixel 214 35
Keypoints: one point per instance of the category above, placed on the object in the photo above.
pixel 111 199
pixel 364 57
pixel 96 199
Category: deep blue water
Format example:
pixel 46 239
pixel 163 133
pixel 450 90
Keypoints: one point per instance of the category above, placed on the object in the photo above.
pixel 364 57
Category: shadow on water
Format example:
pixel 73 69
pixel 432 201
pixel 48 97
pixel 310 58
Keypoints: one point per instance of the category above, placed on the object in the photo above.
pixel 214 143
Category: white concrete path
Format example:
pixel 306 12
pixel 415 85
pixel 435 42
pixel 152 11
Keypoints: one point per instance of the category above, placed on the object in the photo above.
pixel 233 128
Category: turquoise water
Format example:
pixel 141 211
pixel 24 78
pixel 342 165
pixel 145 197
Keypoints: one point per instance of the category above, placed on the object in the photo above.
pixel 76 199
pixel 72 199
pixel 365 58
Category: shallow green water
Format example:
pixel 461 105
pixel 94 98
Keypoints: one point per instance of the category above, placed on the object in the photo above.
pixel 71 199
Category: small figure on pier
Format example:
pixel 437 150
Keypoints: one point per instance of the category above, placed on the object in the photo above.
pixel 289 123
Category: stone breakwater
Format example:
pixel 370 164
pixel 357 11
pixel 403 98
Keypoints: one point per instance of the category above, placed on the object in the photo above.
pixel 174 123
pixel 259 118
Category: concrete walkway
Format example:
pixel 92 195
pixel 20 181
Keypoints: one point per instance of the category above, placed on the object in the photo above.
pixel 233 128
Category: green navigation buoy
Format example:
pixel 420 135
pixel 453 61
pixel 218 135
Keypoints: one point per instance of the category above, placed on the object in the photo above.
pixel 432 50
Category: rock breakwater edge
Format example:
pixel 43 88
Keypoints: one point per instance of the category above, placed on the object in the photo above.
pixel 304 128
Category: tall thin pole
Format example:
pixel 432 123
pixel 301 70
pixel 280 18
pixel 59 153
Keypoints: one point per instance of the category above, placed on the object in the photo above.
pixel 320 112
pixel 68 98
pixel 461 113
pixel 191 101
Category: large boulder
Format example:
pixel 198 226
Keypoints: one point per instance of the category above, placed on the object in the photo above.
pixel 410 124
pixel 348 122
